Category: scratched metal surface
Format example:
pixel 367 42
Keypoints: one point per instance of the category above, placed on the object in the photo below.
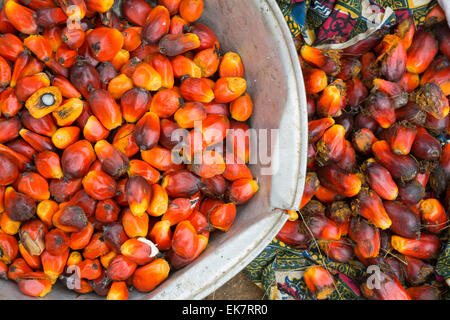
pixel 257 31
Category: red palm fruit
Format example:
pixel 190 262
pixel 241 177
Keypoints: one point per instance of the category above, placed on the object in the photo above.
pixel 28 85
pixel 425 146
pixel 331 145
pixel 442 78
pixel 22 147
pixel 178 262
pixel 121 268
pixel 138 193
pixel 118 291
pixel 143 51
pixel 200 221
pixel 147 277
pixel 208 164
pixel 147 131
pixel 22 162
pixel 319 281
pixel 356 92
pixel 433 71
pixel 425 292
pixel 181 183
pixel 168 135
pixel 433 215
pixel 229 88
pixel 20 207
pixel 380 180
pixel 405 30
pixel 369 205
pixel 34 284
pixel 393 57
pixel 45 211
pixel 400 137
pixel 8 171
pixel 84 77
pixel 33 185
pixel 74 37
pixel 311 156
pixel 131 38
pixel 242 190
pixel 33 66
pixel 57 68
pixel 340 251
pixel 99 185
pixel 77 158
pixel 22 18
pixel 235 169
pixel 172 45
pixel 394 90
pixel 81 239
pixel 222 216
pixel 121 197
pixel 63 190
pixel 68 7
pixel 113 161
pixel 70 219
pixel 90 269
pixel 445 160
pixel 363 140
pixel 104 43
pixel 334 178
pixel 364 121
pixel 369 68
pixel 208 39
pixel 38 142
pixel 10 46
pixel 105 108
pixel 139 250
pixel 332 99
pixel 53 265
pixel 95 248
pixel 107 211
pixel 189 114
pixel 67 89
pixel 18 268
pixel 9 103
pixel 431 98
pixel 171 5
pixel 178 210
pixel 401 167
pixel 84 116
pixel 84 201
pixel 327 60
pixel 194 89
pixel 422 51
pixel 185 240
pixel 443 34
pixel 417 271
pixel 411 192
pixel 426 247
pixel 56 241
pixel 94 131
pixel 114 236
pixel 390 289
pixel 156 26
pixel 412 113
pixel 214 129
pixel 366 236
pixel 161 235
pixel 381 108
pixel 39 46
pixel 143 169
pixel 135 103
pixel 5 73
pixel 48 165
pixel 310 188
pixel 165 103
pixel 107 72
pixel 294 234
pixel 321 227
pixel 136 11
pixel 8 248
pixel 102 284
pixel 310 106
pixel 339 212
pixel 124 140
pixel 177 24
pixel 409 81
pixel 5 25
pixel 350 68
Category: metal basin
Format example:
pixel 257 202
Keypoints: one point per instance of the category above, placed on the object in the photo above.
pixel 256 30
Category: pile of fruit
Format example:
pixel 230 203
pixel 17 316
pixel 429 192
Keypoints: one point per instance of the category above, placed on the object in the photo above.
pixel 92 107
pixel 377 188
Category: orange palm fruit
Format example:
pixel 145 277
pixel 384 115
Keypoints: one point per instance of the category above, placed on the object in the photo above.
pixel 191 10
pixel 22 18
pixel 139 250
pixel 138 193
pixel 48 165
pixel 156 26
pixel 185 240
pixel 77 158
pixel 104 43
pixel 380 180
pixel 8 248
pixel 107 211
pixel 177 24
pixel 405 30
pixel 159 202
pixel 143 169
pixel 106 259
pixel 70 219
pixel 10 46
pixel 134 103
pixel 99 5
pixel 81 239
pixel 65 56
pixel 66 88
pixel 99 185
pixel 53 265
pixel 241 190
pixel 172 45
pixel 190 113
pixel 433 215
pixel 132 38
pixel 122 57
pixel 229 88
pixel 165 103
pixel 319 281
pixel 136 11
pixel 121 268
pixel 163 66
pixel 114 162
pixel 184 67
pixel 369 68
pixel 315 80
pixel 65 136
pixel 316 128
pixel 241 109
pixel 90 269
pixel 208 164
pixel 68 112
pixel 45 211
pixel 145 76
pixel 33 185
pixel 366 236
pixel 214 129
pixel 147 131
pixel 208 61
pixel 9 226
pixel 118 291
pixel 235 169
pixel 334 178
pixel 194 89
pixel 56 241
pixel 94 131
pixel 179 209
pixel 44 101
pixel 32 260
pixel 39 46
pixel 423 49
pixel 332 99
pixel 105 108
pixel 222 216
pixel 5 73
pixel 327 60
pixel 96 247
pixel 311 186
pixel 424 292
pixel 401 136
pixel 181 183
pixel 331 145
pixel 124 140
pixel 426 247
pixel 53 36
pixel 369 205
pixel 161 235
pixel 147 277
pixel 34 284
pixel 178 262
pixel 33 66
pixel 135 226
pixel 362 140
pixel 9 103
pixel 231 66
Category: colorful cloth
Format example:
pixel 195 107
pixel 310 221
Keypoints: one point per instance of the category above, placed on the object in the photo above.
pixel 338 24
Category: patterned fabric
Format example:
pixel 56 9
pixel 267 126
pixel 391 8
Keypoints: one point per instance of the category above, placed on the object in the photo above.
pixel 336 23
pixel 443 264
